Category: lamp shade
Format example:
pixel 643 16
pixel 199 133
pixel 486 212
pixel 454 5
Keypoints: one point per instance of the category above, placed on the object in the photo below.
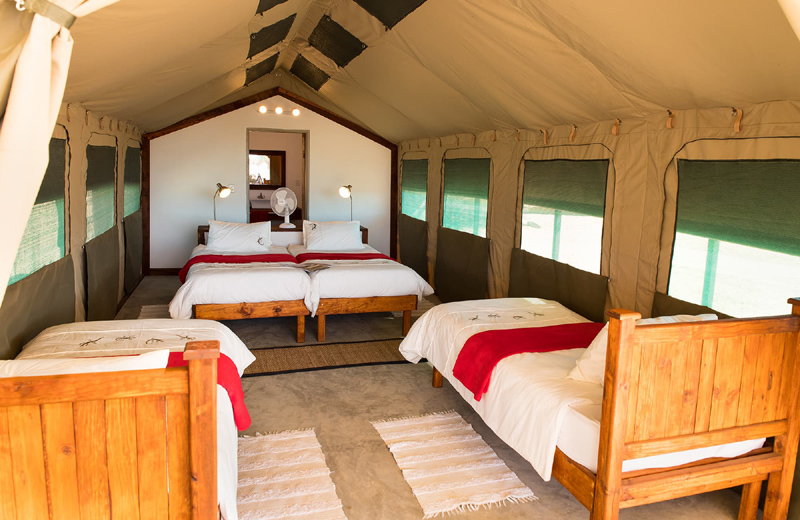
pixel 223 191
pixel 346 191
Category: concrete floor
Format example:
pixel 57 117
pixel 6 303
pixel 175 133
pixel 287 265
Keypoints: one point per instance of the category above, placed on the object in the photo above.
pixel 340 403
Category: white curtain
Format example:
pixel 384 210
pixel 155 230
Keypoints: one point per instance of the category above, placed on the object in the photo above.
pixel 37 90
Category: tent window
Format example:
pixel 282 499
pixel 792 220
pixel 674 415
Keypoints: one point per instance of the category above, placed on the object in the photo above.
pixel 737 242
pixel 133 180
pixel 415 188
pixel 563 203
pixel 100 175
pixel 308 72
pixel 466 195
pixel 390 13
pixel 261 69
pixel 335 42
pixel 270 35
pixel 44 240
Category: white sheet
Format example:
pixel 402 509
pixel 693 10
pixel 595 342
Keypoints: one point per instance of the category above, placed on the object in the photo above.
pixel 529 396
pixel 238 283
pixel 360 278
pixel 98 338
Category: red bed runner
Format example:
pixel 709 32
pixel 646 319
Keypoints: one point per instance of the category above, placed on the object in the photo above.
pixel 234 259
pixel 483 351
pixel 304 257
pixel 228 378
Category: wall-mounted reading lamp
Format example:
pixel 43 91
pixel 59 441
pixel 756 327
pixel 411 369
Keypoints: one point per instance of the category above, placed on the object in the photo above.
pixel 346 192
pixel 223 192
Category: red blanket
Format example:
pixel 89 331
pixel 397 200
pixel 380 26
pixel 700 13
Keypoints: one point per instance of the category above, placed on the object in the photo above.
pixel 303 257
pixel 483 351
pixel 234 259
pixel 228 378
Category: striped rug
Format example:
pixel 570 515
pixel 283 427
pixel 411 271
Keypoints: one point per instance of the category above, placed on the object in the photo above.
pixel 149 312
pixel 449 466
pixel 284 475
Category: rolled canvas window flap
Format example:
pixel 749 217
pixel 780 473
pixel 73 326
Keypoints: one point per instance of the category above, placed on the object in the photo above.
pixel 574 186
pixel 133 251
pixel 102 275
pixel 752 203
pixel 43 299
pixel 101 164
pixel 413 236
pixel 462 266
pixel 466 194
pixel 414 188
pixel 539 277
pixel 133 180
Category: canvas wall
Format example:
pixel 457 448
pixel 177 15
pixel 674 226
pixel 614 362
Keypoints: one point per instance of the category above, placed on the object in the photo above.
pixel 186 165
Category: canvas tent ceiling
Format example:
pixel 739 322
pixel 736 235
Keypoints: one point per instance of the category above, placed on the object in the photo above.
pixel 449 66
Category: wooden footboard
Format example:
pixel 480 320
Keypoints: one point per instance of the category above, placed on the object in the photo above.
pixel 677 387
pixel 327 306
pixel 246 311
pixel 139 444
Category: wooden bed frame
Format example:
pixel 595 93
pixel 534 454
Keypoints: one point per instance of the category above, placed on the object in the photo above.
pixel 137 442
pixel 683 386
pixel 327 306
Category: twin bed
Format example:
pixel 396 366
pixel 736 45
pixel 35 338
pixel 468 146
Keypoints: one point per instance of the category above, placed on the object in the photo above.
pixel 337 277
pixel 685 408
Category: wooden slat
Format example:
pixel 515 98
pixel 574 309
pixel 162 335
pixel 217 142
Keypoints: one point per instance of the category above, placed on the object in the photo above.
pixel 243 311
pixel 123 481
pixel 372 304
pixel 780 362
pixel 576 478
pixel 694 362
pixel 659 406
pixel 751 348
pixel 633 392
pixel 8 511
pixel 674 332
pixel 62 470
pixel 203 427
pixel 787 383
pixel 27 461
pixel 180 505
pixel 694 464
pixel 641 449
pixel 701 479
pixel 647 375
pixel 104 385
pixel 727 380
pixel 677 383
pixel 762 381
pixel 90 455
pixel 705 386
pixel 151 446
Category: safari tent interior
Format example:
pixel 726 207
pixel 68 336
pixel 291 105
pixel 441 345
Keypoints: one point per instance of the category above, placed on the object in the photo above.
pixel 521 181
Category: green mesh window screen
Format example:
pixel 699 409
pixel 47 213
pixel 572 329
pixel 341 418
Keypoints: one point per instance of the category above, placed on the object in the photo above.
pixel 466 195
pixel 100 175
pixel 133 180
pixel 414 188
pixel 43 241
pixel 737 238
pixel 563 203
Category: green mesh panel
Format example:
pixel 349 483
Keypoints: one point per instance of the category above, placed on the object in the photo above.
pixel 751 203
pixel 133 180
pixel 43 241
pixel 100 174
pixel 466 195
pixel 415 188
pixel 574 186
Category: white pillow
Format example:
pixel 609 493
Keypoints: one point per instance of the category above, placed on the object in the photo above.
pixel 56 366
pixel 332 236
pixel 591 366
pixel 243 238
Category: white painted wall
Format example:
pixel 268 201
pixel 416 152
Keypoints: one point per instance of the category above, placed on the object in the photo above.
pixel 292 144
pixel 186 165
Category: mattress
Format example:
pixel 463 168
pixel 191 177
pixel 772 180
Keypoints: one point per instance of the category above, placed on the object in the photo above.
pixel 530 403
pixel 238 283
pixel 102 338
pixel 360 278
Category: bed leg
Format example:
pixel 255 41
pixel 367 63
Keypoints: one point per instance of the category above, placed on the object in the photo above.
pixel 301 329
pixel 437 379
pixel 748 507
pixel 320 327
pixel 406 322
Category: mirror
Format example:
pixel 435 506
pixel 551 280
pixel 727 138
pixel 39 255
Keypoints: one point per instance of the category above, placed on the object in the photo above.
pixel 266 169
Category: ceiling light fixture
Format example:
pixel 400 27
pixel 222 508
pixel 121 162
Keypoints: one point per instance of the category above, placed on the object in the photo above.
pixel 262 109
pixel 278 110
pixel 296 112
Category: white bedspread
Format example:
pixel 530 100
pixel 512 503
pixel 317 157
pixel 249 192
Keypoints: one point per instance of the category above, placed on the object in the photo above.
pixel 529 393
pixel 99 338
pixel 360 278
pixel 238 283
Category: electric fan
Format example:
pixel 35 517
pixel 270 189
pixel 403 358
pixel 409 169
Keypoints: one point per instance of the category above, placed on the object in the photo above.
pixel 283 202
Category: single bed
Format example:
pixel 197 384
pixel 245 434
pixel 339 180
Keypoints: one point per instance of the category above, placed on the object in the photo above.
pixel 686 407
pixel 231 291
pixel 159 442
pixel 351 284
